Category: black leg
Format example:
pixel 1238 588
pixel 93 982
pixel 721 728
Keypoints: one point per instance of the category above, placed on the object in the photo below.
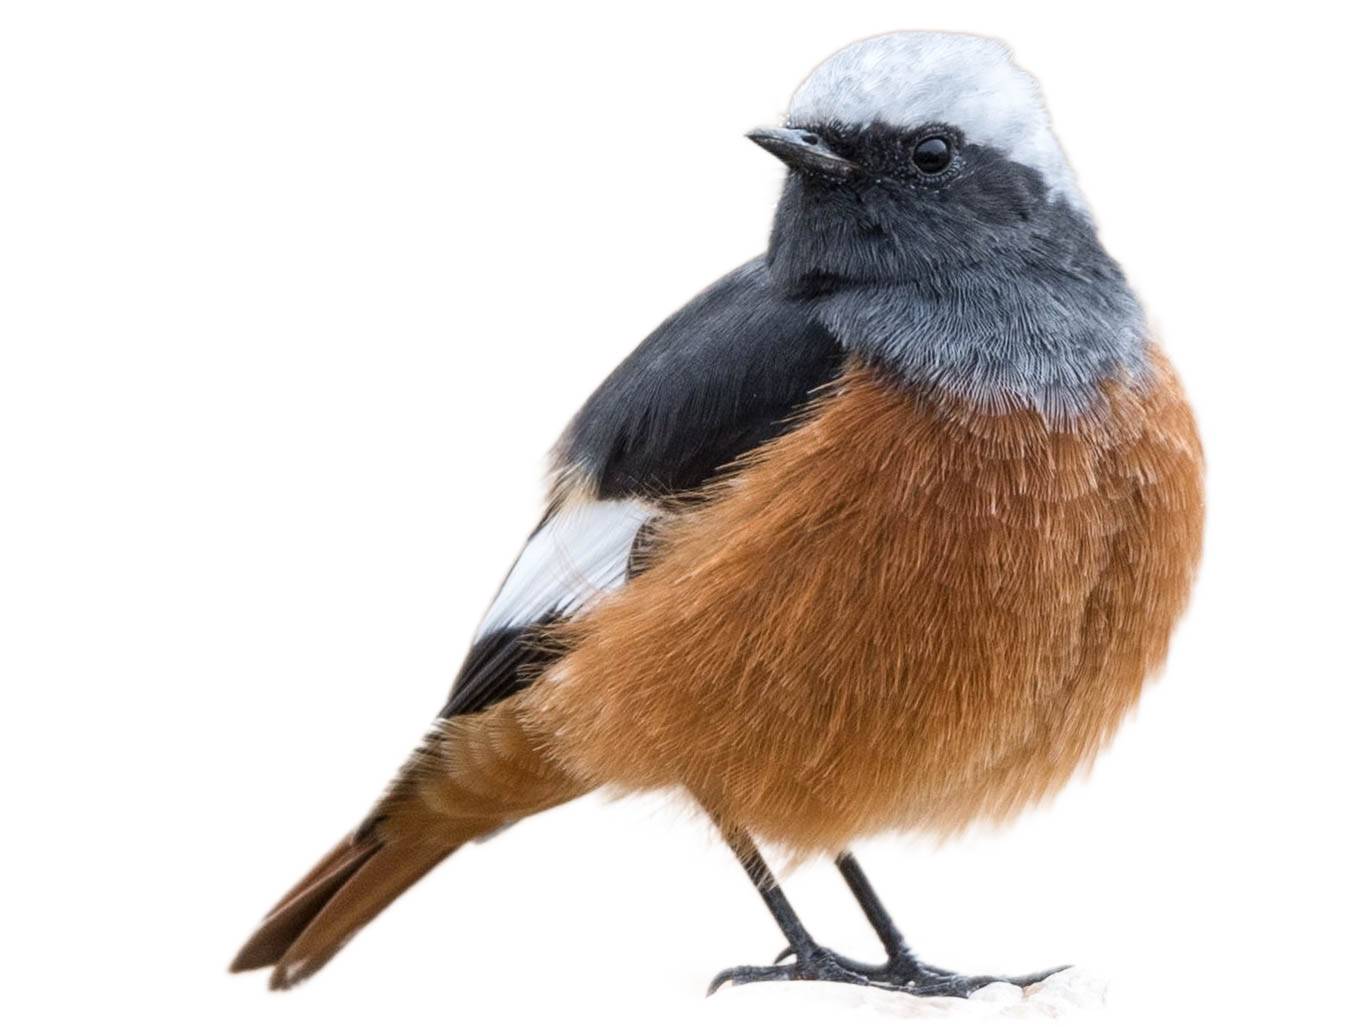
pixel 800 941
pixel 811 961
pixel 889 934
pixel 903 969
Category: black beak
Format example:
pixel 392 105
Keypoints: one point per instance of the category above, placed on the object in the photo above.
pixel 803 151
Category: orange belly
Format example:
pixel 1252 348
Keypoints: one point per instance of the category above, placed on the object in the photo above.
pixel 905 613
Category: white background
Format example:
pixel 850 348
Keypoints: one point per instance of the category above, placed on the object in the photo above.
pixel 295 296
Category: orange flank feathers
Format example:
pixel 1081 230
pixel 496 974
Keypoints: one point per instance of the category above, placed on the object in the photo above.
pixel 903 614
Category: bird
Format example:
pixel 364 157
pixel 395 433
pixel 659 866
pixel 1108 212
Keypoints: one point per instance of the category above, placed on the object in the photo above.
pixel 884 531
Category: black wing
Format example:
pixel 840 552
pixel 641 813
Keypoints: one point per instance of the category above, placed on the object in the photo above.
pixel 718 378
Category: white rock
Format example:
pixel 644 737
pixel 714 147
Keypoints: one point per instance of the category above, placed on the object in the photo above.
pixel 1000 992
pixel 1068 995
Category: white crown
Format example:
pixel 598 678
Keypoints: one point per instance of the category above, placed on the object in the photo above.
pixel 910 79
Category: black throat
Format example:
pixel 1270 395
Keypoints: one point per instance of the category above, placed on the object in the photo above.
pixel 986 287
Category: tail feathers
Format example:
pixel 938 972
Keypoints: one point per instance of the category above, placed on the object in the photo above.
pixel 341 895
pixel 346 851
pixel 473 776
pixel 292 914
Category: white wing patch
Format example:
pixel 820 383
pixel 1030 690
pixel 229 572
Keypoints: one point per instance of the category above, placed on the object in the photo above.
pixel 580 554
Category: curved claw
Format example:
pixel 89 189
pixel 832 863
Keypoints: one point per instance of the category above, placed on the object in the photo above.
pixel 1027 980
pixel 943 984
pixel 785 953
pixel 748 975
pixel 818 965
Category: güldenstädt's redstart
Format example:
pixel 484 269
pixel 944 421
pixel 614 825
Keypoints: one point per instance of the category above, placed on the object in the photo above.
pixel 885 530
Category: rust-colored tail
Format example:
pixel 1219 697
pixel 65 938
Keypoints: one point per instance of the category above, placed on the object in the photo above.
pixel 342 894
pixel 472 776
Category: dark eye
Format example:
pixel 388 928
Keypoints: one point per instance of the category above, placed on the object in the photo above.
pixel 933 155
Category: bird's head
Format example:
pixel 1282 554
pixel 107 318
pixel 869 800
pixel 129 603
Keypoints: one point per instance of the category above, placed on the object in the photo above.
pixel 914 155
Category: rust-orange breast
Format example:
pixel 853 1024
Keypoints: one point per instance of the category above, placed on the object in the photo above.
pixel 903 613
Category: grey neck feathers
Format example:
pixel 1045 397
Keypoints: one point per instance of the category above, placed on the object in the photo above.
pixel 1008 312
pixel 1045 339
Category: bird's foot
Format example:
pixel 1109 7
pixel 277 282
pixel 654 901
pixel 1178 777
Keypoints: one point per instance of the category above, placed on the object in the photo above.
pixel 819 964
pixel 906 973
